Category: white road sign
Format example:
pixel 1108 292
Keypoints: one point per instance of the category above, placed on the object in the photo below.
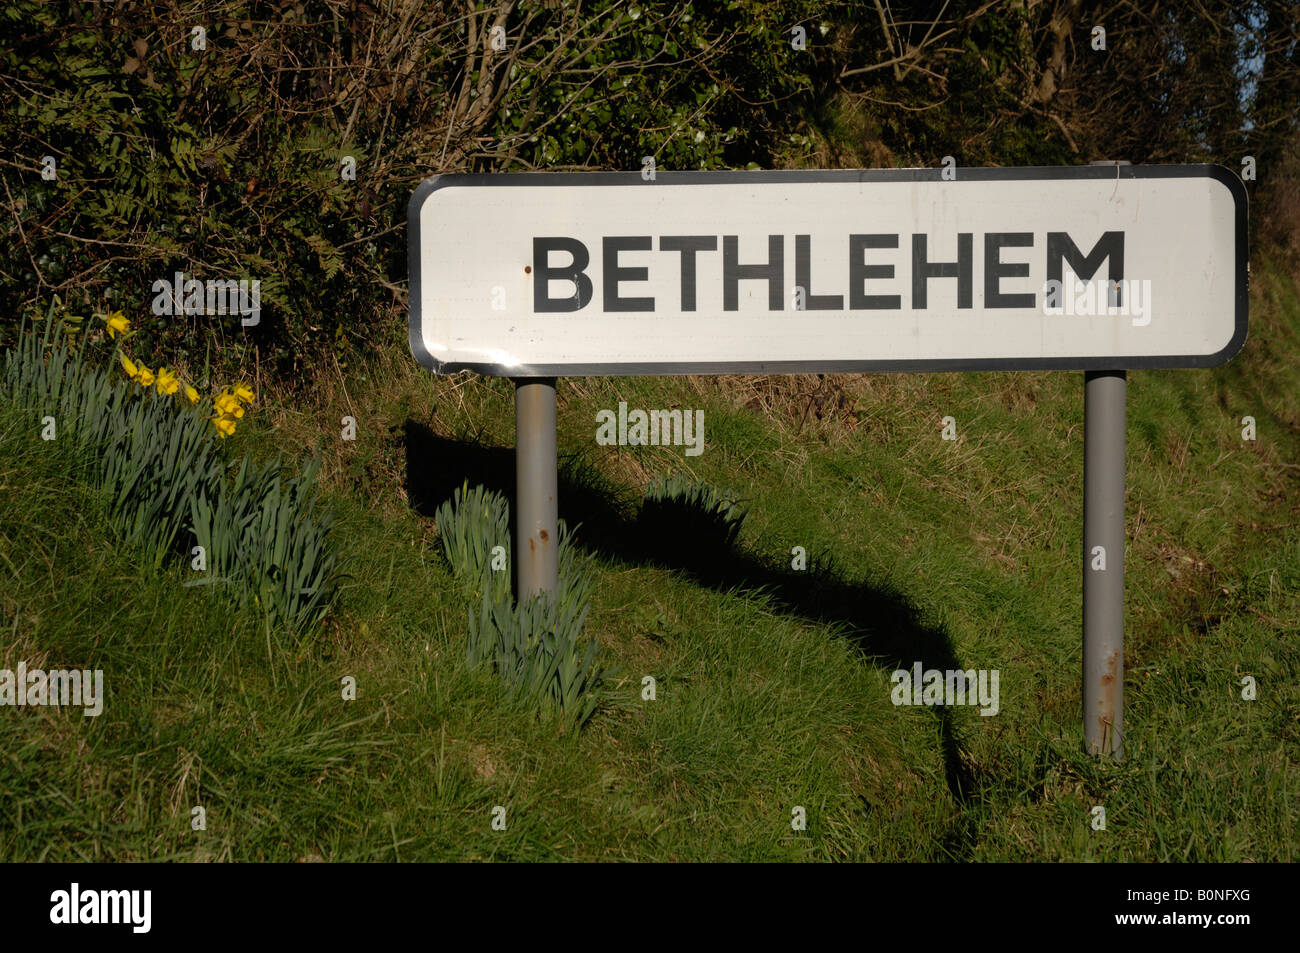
pixel 1093 267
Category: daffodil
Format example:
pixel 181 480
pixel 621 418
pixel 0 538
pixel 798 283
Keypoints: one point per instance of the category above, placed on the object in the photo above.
pixel 226 404
pixel 146 376
pixel 167 382
pixel 128 365
pixel 243 393
pixel 191 394
pixel 225 427
pixel 117 324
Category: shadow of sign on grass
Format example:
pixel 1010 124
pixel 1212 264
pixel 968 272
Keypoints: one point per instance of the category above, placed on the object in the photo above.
pixel 881 622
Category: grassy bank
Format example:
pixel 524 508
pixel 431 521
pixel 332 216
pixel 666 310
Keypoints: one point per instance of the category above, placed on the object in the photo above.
pixel 772 684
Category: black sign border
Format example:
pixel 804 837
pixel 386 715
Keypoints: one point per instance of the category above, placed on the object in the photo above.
pixel 665 179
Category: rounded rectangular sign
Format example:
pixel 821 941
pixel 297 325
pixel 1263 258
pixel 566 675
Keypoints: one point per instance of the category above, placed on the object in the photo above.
pixel 572 274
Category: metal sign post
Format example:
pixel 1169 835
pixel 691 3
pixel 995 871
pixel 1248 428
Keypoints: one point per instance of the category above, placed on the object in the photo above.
pixel 537 564
pixel 1103 560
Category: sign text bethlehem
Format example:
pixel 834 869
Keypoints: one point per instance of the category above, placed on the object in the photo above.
pixel 581 274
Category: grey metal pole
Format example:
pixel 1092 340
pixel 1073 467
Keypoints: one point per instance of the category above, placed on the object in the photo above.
pixel 1104 421
pixel 537 564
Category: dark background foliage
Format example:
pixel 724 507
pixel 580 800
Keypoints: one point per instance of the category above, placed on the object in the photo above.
pixel 225 162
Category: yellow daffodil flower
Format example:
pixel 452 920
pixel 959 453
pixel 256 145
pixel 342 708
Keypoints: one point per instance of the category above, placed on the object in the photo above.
pixel 146 376
pixel 191 394
pixel 227 405
pixel 129 366
pixel 225 427
pixel 167 382
pixel 117 324
pixel 244 393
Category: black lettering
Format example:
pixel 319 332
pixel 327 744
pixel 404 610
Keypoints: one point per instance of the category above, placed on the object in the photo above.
pixel 1110 247
pixel 961 269
pixel 688 245
pixel 860 271
pixel 733 272
pixel 613 274
pixel 574 272
pixel 995 269
pixel 803 278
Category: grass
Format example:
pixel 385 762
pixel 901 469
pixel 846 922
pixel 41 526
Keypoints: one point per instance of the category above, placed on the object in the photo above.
pixel 771 684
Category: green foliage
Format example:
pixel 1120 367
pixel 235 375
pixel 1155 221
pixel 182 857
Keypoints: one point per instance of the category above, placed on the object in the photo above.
pixel 166 484
pixel 151 454
pixel 535 645
pixel 682 508
pixel 171 159
pixel 225 163
pixel 157 456
pixel 471 524
pixel 262 530
pixel 695 86
pixel 537 649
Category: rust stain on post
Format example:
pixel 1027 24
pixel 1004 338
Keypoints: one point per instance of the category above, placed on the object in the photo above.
pixel 536 473
pixel 1108 702
pixel 1105 727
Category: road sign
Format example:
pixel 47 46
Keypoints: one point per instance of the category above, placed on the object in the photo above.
pixel 1102 269
pixel 1085 268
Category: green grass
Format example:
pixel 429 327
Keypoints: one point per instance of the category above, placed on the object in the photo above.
pixel 772 685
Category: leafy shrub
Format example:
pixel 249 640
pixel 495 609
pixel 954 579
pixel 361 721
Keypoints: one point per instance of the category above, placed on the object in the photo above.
pixel 227 162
